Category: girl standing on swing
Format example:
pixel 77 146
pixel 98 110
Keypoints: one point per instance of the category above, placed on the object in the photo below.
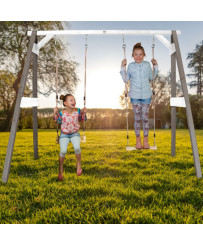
pixel 139 73
pixel 69 119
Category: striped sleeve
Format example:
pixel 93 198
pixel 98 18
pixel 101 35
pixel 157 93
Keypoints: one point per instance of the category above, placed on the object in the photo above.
pixel 58 118
pixel 81 116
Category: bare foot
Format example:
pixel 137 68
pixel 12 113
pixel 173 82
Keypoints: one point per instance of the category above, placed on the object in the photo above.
pixel 79 169
pixel 79 172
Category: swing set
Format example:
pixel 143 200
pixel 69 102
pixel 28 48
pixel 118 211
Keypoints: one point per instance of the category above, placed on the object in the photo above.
pixel 33 53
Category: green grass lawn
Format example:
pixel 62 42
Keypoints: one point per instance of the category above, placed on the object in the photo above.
pixel 116 186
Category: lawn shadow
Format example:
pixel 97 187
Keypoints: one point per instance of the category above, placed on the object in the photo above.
pixel 103 172
pixel 179 165
pixel 25 170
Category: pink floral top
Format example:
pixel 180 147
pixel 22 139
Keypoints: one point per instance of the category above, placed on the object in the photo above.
pixel 69 122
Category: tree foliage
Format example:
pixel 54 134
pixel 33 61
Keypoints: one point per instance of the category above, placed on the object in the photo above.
pixel 196 64
pixel 196 102
pixel 14 42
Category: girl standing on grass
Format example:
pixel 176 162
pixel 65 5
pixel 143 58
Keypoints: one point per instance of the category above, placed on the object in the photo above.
pixel 140 73
pixel 69 119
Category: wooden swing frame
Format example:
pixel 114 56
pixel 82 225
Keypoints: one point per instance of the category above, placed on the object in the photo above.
pixel 33 52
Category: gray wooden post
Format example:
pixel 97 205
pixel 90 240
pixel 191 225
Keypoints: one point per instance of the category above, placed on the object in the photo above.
pixel 34 94
pixel 173 109
pixel 188 107
pixel 16 114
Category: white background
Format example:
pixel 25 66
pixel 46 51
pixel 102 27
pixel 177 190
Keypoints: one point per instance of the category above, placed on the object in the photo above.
pixel 97 235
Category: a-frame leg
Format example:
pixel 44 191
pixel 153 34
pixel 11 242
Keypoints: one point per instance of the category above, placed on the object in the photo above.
pixel 188 107
pixel 173 109
pixel 34 94
pixel 16 114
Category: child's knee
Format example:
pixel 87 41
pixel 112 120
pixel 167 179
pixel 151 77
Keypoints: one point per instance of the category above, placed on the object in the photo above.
pixel 63 153
pixel 77 150
pixel 76 144
pixel 145 117
pixel 63 146
pixel 136 108
pixel 137 120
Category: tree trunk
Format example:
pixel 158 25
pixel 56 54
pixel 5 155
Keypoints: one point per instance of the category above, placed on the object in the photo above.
pixel 200 81
pixel 7 125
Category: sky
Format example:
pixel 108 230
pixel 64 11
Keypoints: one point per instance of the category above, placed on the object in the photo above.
pixel 105 53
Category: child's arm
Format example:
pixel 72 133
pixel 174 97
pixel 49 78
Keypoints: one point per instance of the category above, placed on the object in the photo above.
pixel 127 76
pixel 57 117
pixel 82 115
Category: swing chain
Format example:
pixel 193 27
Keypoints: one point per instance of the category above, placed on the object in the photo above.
pixel 126 91
pixel 154 98
pixel 57 101
pixel 83 138
pixel 56 75
pixel 126 88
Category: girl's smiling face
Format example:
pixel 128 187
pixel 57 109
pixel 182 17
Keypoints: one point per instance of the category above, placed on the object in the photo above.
pixel 138 55
pixel 70 102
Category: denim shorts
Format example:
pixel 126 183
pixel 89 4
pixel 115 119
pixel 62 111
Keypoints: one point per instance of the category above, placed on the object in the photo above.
pixel 141 101
pixel 65 139
pixel 63 135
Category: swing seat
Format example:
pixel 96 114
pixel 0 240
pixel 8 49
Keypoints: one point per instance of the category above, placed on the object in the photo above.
pixel 83 139
pixel 153 147
pixel 130 148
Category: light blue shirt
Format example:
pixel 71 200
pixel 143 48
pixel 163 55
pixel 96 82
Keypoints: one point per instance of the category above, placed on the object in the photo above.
pixel 140 75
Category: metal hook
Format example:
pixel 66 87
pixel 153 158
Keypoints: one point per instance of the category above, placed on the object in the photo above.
pixel 153 43
pixel 86 46
pixel 124 45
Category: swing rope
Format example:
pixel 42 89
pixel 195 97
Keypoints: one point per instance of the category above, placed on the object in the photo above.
pixel 153 86
pixel 85 82
pixel 56 80
pixel 126 90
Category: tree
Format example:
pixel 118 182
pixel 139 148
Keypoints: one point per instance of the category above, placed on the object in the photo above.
pixel 13 48
pixel 7 94
pixel 196 102
pixel 196 64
